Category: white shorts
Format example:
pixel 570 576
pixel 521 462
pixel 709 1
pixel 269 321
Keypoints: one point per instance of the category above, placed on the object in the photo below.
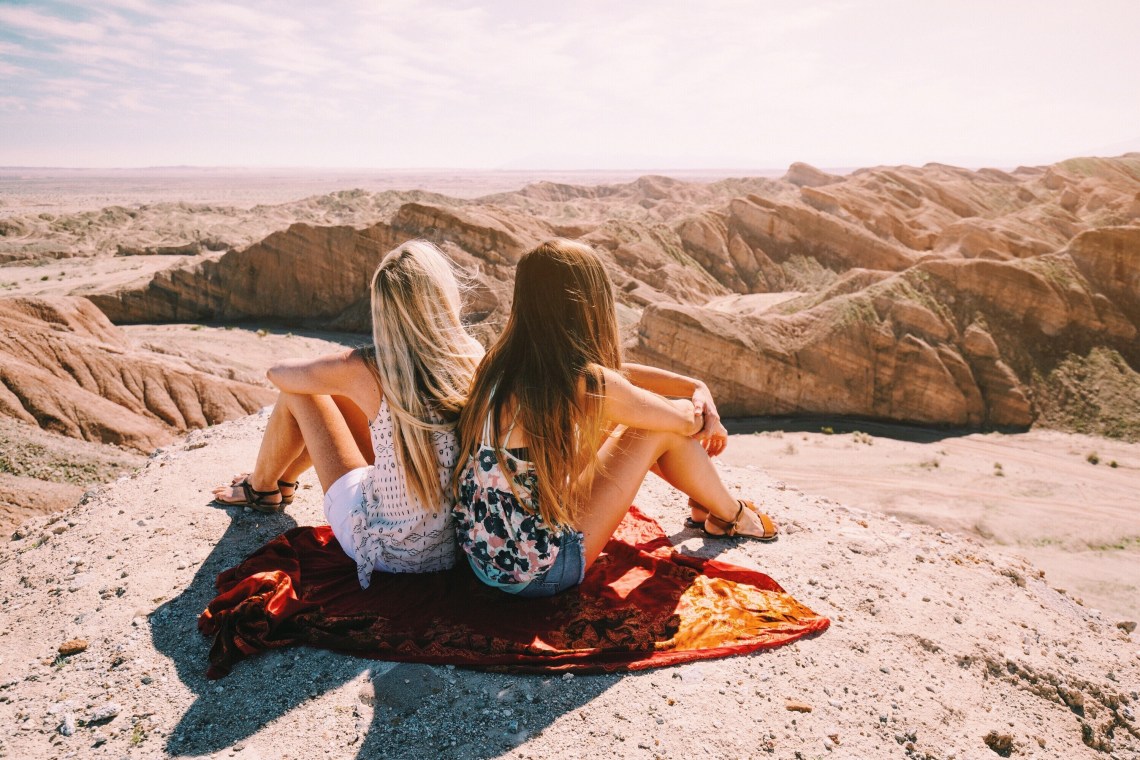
pixel 339 499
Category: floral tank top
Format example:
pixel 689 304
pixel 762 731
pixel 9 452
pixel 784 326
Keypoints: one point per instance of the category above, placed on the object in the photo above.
pixel 391 530
pixel 506 540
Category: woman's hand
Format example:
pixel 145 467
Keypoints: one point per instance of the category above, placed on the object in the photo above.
pixel 712 435
pixel 693 412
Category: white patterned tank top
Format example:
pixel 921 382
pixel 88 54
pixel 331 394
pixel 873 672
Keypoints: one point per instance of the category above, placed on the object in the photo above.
pixel 391 530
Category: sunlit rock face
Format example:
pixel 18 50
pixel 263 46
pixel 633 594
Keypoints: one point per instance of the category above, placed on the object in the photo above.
pixel 65 368
pixel 935 295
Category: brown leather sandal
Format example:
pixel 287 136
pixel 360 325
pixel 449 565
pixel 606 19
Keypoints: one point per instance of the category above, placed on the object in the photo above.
pixel 771 532
pixel 255 500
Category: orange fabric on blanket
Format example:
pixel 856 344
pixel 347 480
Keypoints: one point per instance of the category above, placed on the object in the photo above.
pixel 641 605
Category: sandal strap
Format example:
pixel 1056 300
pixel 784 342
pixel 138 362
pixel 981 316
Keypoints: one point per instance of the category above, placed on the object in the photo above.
pixel 287 484
pixel 255 497
pixel 728 526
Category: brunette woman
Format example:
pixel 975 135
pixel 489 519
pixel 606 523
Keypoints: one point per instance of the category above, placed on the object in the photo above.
pixel 558 434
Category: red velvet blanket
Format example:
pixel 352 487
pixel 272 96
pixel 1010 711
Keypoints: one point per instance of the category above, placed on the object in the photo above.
pixel 641 605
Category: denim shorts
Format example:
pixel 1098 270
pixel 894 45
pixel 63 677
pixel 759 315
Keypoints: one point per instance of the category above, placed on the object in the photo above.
pixel 568 570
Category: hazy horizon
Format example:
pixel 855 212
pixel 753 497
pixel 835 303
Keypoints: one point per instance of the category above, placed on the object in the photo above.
pixel 583 85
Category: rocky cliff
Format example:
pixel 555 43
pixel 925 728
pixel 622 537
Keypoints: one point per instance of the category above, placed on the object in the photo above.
pixel 65 368
pixel 935 295
pixel 963 342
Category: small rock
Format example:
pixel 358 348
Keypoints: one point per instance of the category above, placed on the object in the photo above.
pixel 1002 744
pixel 1128 626
pixel 73 646
pixel 105 713
pixel 567 676
pixel 67 725
pixel 884 669
pixel 795 706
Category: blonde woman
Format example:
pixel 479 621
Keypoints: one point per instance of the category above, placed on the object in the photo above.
pixel 377 424
pixel 549 471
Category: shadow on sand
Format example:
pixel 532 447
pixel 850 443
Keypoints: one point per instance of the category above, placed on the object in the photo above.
pixel 813 424
pixel 417 710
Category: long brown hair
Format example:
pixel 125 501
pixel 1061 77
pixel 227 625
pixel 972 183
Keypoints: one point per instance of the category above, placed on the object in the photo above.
pixel 562 331
pixel 421 355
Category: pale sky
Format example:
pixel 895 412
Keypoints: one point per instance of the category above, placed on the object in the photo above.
pixel 579 84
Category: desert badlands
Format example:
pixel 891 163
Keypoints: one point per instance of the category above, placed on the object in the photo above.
pixel 932 375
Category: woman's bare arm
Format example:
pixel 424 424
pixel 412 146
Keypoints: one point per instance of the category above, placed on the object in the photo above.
pixel 627 404
pixel 712 435
pixel 660 380
pixel 340 374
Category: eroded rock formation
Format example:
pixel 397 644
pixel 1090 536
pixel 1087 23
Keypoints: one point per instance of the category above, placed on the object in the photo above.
pixel 65 368
pixel 951 342
pixel 935 295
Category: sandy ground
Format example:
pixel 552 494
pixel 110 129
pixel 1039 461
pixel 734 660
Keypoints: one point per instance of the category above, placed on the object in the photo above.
pixel 63 277
pixel 937 643
pixel 1036 494
pixel 237 352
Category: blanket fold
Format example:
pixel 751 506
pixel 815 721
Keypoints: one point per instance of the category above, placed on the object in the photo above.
pixel 641 605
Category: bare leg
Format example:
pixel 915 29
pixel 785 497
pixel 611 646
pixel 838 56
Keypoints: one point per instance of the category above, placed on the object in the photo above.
pixel 303 430
pixel 357 423
pixel 625 460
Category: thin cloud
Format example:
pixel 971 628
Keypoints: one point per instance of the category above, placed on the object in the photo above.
pixel 203 70
pixel 87 54
pixel 41 25
pixel 59 104
pixel 134 101
pixel 12 70
pixel 434 83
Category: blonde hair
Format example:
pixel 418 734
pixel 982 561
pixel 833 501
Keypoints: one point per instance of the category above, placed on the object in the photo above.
pixel 561 332
pixel 421 355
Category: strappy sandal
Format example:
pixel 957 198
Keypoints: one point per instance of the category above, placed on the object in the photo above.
pixel 771 533
pixel 256 500
pixel 286 499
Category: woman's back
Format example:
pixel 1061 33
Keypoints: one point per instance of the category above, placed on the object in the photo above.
pixel 392 529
